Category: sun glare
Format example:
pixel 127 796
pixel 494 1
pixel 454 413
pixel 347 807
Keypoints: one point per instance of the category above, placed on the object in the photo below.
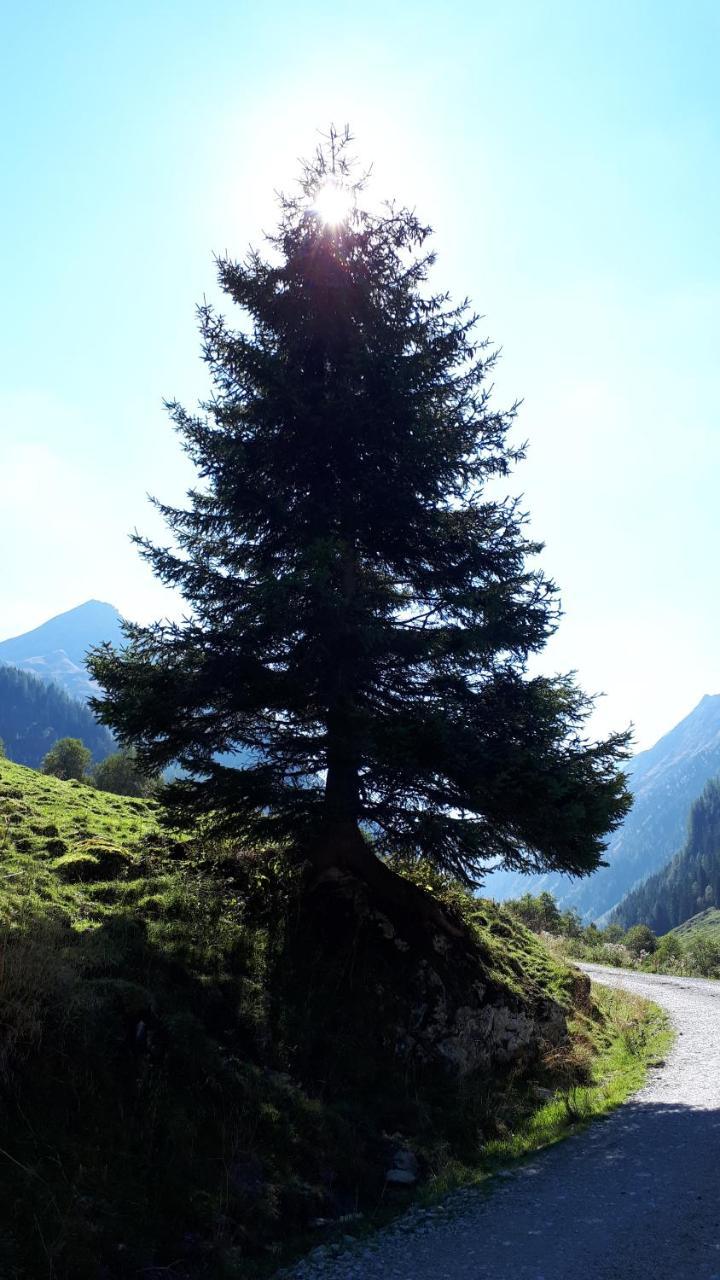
pixel 332 203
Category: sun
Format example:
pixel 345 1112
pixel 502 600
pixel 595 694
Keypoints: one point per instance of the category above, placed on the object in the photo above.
pixel 332 203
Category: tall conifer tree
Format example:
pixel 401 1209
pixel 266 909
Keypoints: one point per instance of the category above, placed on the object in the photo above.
pixel 361 607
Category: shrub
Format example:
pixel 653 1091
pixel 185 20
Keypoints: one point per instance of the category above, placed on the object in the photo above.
pixel 613 933
pixel 640 938
pixel 613 953
pixel 69 758
pixel 702 957
pixel 669 956
pixel 119 773
pixel 539 913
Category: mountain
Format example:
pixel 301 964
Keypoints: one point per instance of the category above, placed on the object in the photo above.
pixel 690 883
pixel 34 713
pixel 665 781
pixel 56 650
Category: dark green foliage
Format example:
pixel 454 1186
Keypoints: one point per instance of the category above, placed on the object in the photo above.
pixel 542 914
pixel 34 713
pixel 703 956
pixel 539 913
pixel 640 940
pixel 120 774
pixel 613 933
pixel 690 883
pixel 668 954
pixel 68 758
pixel 694 954
pixel 362 607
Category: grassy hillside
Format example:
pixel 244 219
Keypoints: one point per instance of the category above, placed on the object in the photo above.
pixel 153 1120
pixel 705 924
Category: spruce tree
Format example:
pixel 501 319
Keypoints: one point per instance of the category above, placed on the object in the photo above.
pixel 351 679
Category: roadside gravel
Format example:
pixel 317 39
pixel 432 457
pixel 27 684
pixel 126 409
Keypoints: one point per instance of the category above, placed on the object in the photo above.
pixel 634 1197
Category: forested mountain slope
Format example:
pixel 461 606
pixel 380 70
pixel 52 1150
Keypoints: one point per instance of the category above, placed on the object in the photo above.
pixel 56 650
pixel 665 781
pixel 35 713
pixel 691 882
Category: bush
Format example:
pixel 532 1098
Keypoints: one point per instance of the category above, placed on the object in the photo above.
pixel 539 913
pixel 119 773
pixel 69 758
pixel 669 956
pixel 702 958
pixel 640 939
pixel 570 925
pixel 613 933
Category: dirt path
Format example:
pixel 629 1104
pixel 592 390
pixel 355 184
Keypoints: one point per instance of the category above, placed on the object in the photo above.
pixel 634 1197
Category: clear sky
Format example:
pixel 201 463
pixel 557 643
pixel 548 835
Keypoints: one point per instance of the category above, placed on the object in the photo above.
pixel 567 155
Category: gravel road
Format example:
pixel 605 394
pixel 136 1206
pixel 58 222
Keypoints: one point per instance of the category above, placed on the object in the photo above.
pixel 633 1197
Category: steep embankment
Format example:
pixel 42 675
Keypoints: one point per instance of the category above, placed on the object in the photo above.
pixel 691 881
pixel 173 1096
pixel 665 781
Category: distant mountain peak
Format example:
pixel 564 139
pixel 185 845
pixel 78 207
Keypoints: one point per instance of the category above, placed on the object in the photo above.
pixel 56 650
pixel 69 617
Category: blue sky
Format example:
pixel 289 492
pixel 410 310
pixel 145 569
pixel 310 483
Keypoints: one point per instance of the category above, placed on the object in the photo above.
pixel 567 155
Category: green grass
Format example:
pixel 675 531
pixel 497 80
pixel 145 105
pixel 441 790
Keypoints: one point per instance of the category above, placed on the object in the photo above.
pixel 147 1114
pixel 613 1046
pixel 48 827
pixel 629 1035
pixel 512 954
pixel 705 923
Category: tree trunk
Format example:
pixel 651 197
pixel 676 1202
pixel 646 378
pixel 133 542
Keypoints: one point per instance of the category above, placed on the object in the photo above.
pixel 341 847
pixel 340 844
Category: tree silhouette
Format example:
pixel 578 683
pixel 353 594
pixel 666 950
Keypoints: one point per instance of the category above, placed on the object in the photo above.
pixel 362 609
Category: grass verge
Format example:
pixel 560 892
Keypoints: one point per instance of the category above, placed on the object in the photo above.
pixel 617 1042
pixel 629 1035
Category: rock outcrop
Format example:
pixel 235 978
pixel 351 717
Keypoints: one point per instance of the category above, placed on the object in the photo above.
pixel 411 996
